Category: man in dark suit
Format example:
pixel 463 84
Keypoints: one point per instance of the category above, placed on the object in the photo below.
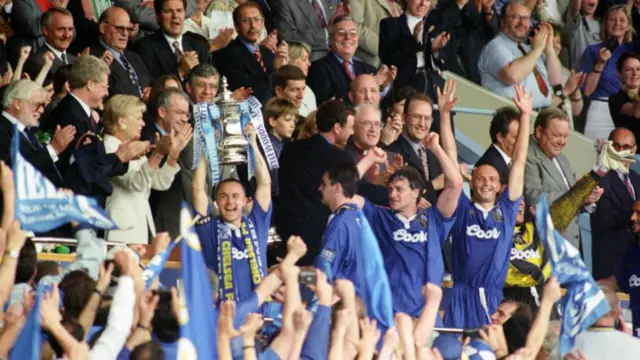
pixel 331 76
pixel 610 223
pixel 129 75
pixel 503 132
pixel 306 21
pixel 58 29
pixel 167 52
pixel 418 117
pixel 24 102
pixel 244 62
pixel 302 165
pixel 89 86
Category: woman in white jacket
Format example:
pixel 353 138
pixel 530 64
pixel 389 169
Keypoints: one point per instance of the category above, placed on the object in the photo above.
pixel 128 205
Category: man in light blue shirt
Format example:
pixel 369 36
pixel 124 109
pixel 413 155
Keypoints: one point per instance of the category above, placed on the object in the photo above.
pixel 507 60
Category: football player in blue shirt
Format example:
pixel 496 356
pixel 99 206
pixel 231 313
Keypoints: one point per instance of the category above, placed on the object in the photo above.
pixel 629 276
pixel 483 230
pixel 409 238
pixel 234 245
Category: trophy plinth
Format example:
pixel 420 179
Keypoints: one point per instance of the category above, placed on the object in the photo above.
pixel 232 146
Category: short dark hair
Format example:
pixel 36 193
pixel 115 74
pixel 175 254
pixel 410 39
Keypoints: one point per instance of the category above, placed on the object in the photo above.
pixel 46 268
pixel 27 263
pixel 164 323
pixel 501 121
pixel 547 114
pixel 624 57
pixel 515 332
pixel 333 112
pixel 522 309
pixel 249 4
pixel 150 350
pixel 417 96
pixel 345 174
pixel 285 73
pixel 412 176
pixel 77 287
pixel 158 5
pixel 60 79
pixel 203 71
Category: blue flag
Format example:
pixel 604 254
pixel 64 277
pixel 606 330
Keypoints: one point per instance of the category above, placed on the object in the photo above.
pixel 156 265
pixel 376 292
pixel 584 303
pixel 29 341
pixel 197 316
pixel 41 207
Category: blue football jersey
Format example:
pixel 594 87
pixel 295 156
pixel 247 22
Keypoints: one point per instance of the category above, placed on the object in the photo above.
pixel 241 271
pixel 629 282
pixel 411 250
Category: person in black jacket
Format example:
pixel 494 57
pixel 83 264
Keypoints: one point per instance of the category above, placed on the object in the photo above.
pixel 166 51
pixel 503 131
pixel 129 75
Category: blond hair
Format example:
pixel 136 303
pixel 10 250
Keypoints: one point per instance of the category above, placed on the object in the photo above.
pixel 118 107
pixel 628 36
pixel 296 49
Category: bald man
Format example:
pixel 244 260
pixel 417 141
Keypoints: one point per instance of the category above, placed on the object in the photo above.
pixel 610 224
pixel 129 75
pixel 364 90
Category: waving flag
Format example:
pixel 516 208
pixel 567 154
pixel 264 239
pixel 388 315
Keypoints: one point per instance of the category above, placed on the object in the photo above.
pixel 156 265
pixel 41 207
pixel 584 303
pixel 376 291
pixel 197 327
pixel 29 341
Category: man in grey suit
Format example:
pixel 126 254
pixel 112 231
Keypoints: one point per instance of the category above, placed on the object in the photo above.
pixel 306 21
pixel 57 27
pixel 548 171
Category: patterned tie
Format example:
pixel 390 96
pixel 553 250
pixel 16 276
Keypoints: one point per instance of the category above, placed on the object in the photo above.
pixel 177 51
pixel 347 68
pixel 133 77
pixel 425 163
pixel 319 13
pixel 542 86
pixel 63 57
pixel 258 56
pixel 392 8
pixel 627 183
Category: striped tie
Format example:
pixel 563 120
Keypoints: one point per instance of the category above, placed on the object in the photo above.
pixel 258 56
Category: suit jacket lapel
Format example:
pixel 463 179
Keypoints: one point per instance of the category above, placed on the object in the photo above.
pixel 164 51
pixel 247 57
pixel 552 170
pixel 619 188
pixel 339 68
pixel 307 9
pixel 411 155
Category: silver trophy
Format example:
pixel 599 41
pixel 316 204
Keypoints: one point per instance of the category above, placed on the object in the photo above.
pixel 232 146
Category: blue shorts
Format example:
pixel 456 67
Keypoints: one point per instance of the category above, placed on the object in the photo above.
pixel 470 308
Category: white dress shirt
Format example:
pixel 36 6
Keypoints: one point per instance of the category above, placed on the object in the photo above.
pixel 119 322
pixel 412 21
pixel 507 158
pixel 22 128
pixel 85 107
pixel 56 52
pixel 171 40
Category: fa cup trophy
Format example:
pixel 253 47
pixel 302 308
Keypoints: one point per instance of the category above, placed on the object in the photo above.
pixel 232 145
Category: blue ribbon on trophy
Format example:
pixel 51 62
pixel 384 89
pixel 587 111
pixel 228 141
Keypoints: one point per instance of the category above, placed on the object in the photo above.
pixel 261 132
pixel 206 121
pixel 245 119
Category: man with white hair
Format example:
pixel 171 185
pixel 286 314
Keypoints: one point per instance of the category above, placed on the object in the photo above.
pixel 23 103
pixel 366 135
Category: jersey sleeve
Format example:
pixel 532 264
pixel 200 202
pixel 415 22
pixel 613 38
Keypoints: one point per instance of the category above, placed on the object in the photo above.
pixel 316 347
pixel 262 222
pixel 207 232
pixel 334 252
pixel 510 207
pixel 248 305
pixel 439 228
pixel 370 210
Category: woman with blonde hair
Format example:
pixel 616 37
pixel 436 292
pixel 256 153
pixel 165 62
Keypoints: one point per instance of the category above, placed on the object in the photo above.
pixel 128 205
pixel 299 55
pixel 599 63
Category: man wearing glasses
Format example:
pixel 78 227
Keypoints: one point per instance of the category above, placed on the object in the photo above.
pixel 245 62
pixel 507 59
pixel 129 75
pixel 331 76
pixel 610 223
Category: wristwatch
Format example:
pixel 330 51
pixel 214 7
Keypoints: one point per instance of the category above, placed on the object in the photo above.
pixel 557 91
pixel 12 253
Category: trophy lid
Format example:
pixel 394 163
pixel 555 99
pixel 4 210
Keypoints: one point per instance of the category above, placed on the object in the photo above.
pixel 226 94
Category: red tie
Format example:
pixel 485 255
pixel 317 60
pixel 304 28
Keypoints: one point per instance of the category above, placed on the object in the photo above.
pixel 347 68
pixel 627 183
pixel 44 5
pixel 542 86
pixel 392 8
pixel 319 13
pixel 258 56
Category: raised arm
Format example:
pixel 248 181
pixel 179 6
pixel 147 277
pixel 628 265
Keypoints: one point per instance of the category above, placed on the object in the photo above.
pixel 551 294
pixel 448 199
pixel 446 102
pixel 516 176
pixel 427 320
pixel 199 187
pixel 518 70
pixel 8 196
pixel 554 67
pixel 263 179
pixel 15 239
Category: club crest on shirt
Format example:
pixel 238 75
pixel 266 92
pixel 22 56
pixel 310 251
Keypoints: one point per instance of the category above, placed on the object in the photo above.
pixel 497 214
pixel 328 254
pixel 423 221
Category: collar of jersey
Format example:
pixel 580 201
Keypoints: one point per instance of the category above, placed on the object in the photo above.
pixel 406 221
pixel 484 212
